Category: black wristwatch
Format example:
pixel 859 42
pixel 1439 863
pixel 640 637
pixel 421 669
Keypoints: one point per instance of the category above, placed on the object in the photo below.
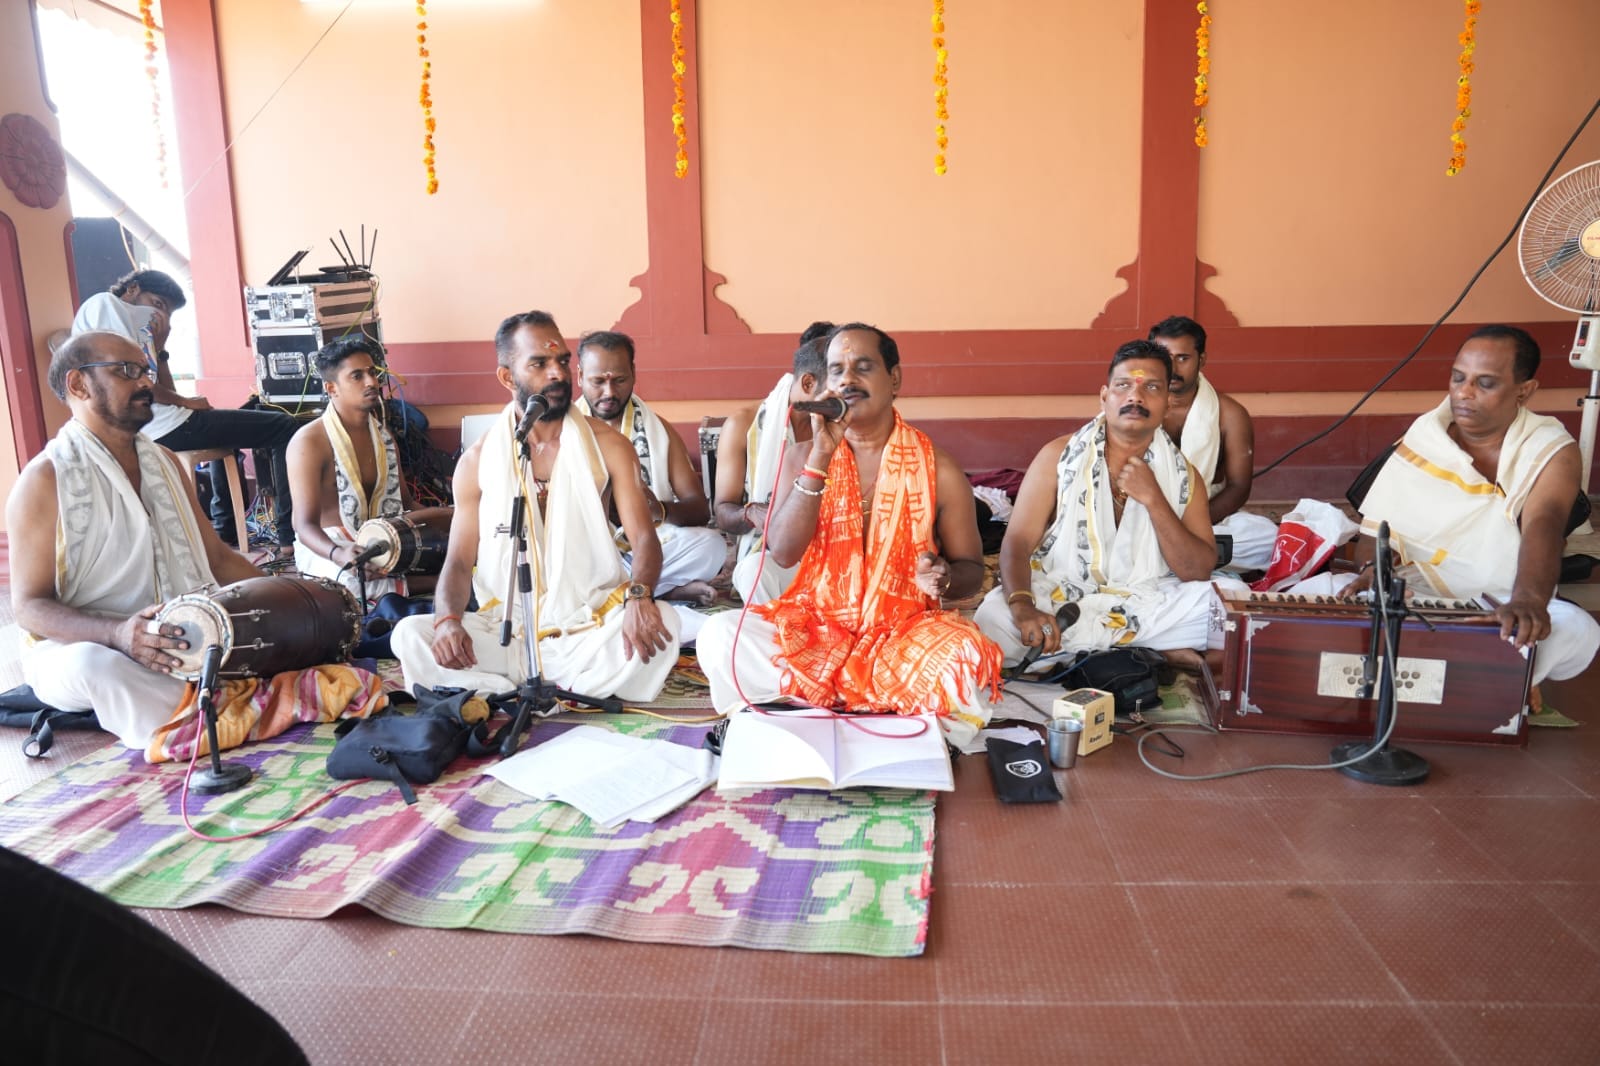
pixel 162 355
pixel 637 591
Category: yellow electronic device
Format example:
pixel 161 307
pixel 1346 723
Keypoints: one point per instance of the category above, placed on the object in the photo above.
pixel 1095 709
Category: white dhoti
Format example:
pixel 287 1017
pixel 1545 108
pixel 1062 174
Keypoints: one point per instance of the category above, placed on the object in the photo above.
pixel 590 662
pixel 1253 537
pixel 311 564
pixel 688 553
pixel 1181 614
pixel 128 700
pixel 742 670
pixel 758 579
pixel 1568 650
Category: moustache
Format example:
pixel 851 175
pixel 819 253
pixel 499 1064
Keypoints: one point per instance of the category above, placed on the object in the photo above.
pixel 144 394
pixel 1134 409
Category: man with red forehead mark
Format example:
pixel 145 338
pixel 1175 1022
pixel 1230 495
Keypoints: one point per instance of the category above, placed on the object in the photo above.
pixel 1110 543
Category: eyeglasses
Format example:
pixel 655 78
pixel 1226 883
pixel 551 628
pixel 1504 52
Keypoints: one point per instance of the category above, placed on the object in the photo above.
pixel 131 371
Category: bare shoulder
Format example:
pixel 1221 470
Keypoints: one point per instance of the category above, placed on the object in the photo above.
pixel 737 423
pixel 311 438
pixel 36 485
pixel 1052 450
pixel 946 465
pixel 1232 411
pixel 614 447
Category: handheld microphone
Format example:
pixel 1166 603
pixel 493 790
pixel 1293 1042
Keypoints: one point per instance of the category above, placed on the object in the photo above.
pixel 831 408
pixel 536 408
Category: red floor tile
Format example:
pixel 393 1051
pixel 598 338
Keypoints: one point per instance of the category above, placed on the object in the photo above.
pixel 1477 944
pixel 1523 1035
pixel 1537 839
pixel 1197 840
pixel 1381 838
pixel 819 1034
pixel 1024 1035
pixel 1353 1035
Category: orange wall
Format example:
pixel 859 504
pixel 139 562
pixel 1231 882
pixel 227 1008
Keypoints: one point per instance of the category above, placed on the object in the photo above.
pixel 821 199
pixel 540 120
pixel 1323 194
pixel 40 240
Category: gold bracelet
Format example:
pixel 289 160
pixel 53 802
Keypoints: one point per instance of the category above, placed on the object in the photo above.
pixel 1013 597
pixel 802 490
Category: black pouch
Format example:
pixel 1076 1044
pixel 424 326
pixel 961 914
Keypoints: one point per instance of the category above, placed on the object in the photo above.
pixel 409 748
pixel 1133 676
pixel 19 707
pixel 1021 772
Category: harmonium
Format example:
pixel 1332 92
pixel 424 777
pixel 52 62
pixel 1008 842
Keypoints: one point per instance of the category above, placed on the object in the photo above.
pixel 1294 664
pixel 289 324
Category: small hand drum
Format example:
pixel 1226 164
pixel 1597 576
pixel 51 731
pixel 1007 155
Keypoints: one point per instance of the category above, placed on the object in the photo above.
pixel 264 626
pixel 412 543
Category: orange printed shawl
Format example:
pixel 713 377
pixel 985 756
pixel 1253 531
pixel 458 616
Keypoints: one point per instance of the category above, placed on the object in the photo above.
pixel 854 629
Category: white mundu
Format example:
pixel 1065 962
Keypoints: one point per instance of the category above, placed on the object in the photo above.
pixel 578 579
pixel 688 553
pixel 355 506
pixel 117 552
pixel 756 577
pixel 1126 593
pixel 1459 534
pixel 1253 535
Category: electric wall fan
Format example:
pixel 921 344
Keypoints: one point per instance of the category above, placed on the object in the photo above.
pixel 1559 249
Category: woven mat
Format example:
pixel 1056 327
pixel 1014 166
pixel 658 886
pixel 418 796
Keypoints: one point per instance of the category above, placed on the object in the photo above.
pixel 778 869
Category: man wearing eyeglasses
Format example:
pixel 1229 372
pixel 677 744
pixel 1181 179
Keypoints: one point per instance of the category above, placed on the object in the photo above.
pixel 104 530
pixel 139 307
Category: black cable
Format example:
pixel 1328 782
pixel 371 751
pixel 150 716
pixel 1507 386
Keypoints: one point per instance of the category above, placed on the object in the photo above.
pixel 1537 189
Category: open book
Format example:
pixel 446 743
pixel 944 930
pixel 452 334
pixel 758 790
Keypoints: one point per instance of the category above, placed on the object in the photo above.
pixel 795 751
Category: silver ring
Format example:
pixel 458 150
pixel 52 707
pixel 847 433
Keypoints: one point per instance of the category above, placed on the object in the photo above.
pixel 1048 630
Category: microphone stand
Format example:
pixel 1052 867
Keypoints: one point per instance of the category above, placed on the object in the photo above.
pixel 221 777
pixel 1378 763
pixel 535 696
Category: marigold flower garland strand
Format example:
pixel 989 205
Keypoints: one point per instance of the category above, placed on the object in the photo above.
pixel 151 71
pixel 425 97
pixel 1469 45
pixel 680 130
pixel 941 87
pixel 1202 66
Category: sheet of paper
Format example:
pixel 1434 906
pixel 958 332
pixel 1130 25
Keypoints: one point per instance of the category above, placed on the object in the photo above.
pixel 980 743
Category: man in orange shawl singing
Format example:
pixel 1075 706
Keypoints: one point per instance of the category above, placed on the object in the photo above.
pixel 882 526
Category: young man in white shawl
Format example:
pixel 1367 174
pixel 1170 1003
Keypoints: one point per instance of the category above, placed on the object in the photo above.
pixel 1110 543
pixel 748 452
pixel 691 552
pixel 105 528
pixel 344 470
pixel 1216 435
pixel 598 631
pixel 1477 495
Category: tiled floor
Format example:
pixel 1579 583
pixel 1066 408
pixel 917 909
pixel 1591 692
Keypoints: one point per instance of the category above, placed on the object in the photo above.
pixel 1275 918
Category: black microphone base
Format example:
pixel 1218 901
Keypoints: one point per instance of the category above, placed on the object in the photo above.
pixel 223 778
pixel 1391 766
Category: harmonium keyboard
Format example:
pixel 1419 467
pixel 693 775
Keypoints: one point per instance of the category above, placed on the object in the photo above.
pixel 1294 664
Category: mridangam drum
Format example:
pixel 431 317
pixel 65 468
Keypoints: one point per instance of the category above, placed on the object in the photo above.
pixel 265 625
pixel 412 543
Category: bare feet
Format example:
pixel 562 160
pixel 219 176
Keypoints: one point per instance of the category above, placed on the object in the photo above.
pixel 698 593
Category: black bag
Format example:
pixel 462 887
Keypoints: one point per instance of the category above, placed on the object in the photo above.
pixel 1133 676
pixel 1021 772
pixel 19 707
pixel 407 748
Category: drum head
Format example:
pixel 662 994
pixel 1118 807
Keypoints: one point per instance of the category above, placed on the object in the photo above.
pixel 203 623
pixel 380 531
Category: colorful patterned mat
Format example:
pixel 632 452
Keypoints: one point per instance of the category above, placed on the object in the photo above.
pixel 778 869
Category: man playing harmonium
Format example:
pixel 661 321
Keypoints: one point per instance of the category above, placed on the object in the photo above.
pixel 1110 542
pixel 344 471
pixel 691 553
pixel 752 441
pixel 105 528
pixel 1477 495
pixel 881 525
pixel 598 633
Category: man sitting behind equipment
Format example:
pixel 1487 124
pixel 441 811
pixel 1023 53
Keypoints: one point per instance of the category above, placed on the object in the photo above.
pixel 748 449
pixel 344 469
pixel 882 527
pixel 105 528
pixel 598 634
pixel 1216 435
pixel 691 554
pixel 1110 542
pixel 1477 495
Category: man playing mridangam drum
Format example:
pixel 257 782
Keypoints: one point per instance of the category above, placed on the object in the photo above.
pixel 104 529
pixel 344 470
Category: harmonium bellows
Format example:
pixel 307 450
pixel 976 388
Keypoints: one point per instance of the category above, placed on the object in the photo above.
pixel 1294 664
